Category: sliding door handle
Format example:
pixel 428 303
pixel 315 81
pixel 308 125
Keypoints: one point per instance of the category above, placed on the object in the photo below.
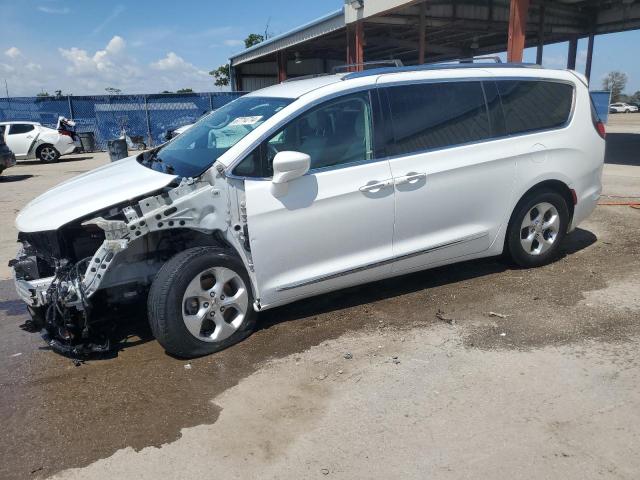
pixel 410 178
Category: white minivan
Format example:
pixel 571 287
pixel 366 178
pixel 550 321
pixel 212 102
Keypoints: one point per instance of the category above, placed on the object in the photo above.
pixel 311 186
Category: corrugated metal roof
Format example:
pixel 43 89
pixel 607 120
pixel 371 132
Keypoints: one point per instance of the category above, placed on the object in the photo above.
pixel 321 26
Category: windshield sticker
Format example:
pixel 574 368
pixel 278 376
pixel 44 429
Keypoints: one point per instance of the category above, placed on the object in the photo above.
pixel 246 120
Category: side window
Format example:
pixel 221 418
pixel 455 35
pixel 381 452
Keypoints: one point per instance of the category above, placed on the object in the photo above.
pixel 435 115
pixel 335 133
pixel 531 105
pixel 18 128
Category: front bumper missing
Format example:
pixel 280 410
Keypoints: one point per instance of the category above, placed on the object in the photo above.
pixel 33 292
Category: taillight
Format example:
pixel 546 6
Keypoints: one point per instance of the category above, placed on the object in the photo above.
pixel 602 131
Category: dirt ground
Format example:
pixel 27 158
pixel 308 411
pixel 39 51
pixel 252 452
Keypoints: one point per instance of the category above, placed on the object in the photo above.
pixel 364 383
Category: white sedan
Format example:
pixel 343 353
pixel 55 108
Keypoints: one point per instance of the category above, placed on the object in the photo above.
pixel 622 108
pixel 28 140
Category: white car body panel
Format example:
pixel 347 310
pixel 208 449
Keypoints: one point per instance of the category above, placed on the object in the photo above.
pixel 95 190
pixel 324 226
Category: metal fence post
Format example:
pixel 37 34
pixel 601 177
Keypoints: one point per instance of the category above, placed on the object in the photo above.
pixel 70 106
pixel 210 102
pixel 146 112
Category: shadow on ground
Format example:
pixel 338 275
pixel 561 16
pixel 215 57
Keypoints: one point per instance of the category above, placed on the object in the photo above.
pixel 15 178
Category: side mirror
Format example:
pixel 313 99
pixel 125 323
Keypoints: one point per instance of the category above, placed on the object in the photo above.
pixel 288 166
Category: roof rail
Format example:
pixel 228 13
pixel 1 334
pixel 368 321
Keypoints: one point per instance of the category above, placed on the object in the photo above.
pixel 439 66
pixel 350 66
pixel 305 77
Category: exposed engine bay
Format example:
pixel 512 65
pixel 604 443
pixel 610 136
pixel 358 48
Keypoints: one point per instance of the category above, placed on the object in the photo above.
pixel 72 276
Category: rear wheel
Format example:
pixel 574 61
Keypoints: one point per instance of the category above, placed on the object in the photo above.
pixel 201 302
pixel 48 154
pixel 537 227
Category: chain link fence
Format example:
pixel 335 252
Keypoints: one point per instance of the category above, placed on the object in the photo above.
pixel 145 118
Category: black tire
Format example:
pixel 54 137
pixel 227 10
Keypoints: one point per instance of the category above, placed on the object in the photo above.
pixel 513 244
pixel 165 301
pixel 47 154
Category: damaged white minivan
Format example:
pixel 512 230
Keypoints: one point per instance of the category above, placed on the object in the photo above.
pixel 311 186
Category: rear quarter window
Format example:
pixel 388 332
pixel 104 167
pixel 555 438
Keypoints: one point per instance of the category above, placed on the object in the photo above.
pixel 531 105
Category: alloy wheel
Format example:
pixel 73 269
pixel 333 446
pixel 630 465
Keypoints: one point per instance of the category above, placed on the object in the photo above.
pixel 215 304
pixel 539 228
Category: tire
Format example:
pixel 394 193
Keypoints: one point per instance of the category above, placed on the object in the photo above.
pixel 48 154
pixel 187 311
pixel 537 246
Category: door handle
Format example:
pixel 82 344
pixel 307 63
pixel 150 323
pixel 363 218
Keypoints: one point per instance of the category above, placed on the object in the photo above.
pixel 372 187
pixel 410 178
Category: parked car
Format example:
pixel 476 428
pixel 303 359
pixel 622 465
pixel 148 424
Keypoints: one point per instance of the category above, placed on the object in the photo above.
pixel 7 158
pixel 29 140
pixel 312 186
pixel 622 108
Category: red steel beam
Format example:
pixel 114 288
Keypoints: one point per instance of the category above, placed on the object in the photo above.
pixel 281 60
pixel 355 45
pixel 518 14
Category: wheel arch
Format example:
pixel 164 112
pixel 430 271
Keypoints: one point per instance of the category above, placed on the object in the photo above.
pixel 553 185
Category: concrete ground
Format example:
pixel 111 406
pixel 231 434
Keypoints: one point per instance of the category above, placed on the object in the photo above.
pixel 522 374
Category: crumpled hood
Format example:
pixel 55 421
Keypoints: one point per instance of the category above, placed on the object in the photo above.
pixel 87 193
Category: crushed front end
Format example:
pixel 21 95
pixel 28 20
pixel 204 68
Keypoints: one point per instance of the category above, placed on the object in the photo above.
pixel 49 272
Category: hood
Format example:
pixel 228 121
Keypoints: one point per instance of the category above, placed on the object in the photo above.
pixel 90 192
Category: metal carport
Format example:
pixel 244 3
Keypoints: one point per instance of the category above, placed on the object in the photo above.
pixel 421 31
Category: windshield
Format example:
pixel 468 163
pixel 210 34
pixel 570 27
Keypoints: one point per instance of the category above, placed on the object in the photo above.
pixel 195 150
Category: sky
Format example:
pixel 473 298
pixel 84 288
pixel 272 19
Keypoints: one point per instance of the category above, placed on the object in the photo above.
pixel 147 46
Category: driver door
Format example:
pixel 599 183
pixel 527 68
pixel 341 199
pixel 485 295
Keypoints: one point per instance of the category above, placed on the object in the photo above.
pixel 334 226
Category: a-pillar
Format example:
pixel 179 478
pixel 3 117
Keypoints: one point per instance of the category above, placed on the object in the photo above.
pixel 281 60
pixel 518 14
pixel 355 45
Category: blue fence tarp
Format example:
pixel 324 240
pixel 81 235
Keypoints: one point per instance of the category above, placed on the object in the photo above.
pixel 601 100
pixel 146 116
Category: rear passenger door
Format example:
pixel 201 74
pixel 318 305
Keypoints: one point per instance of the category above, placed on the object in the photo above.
pixel 19 138
pixel 453 186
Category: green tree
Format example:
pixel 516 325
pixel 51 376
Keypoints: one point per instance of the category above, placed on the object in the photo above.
pixel 253 39
pixel 185 90
pixel 221 75
pixel 42 94
pixel 615 82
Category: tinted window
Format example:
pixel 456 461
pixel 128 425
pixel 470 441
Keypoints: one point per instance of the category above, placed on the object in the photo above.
pixel 535 105
pixel 17 128
pixel 335 133
pixel 436 115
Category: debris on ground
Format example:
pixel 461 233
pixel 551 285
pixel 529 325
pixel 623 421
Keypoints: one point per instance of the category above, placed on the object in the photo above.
pixel 348 356
pixel 325 471
pixel 16 354
pixel 441 315
pixel 340 372
pixel 187 366
pixel 503 334
pixel 395 360
pixel 499 315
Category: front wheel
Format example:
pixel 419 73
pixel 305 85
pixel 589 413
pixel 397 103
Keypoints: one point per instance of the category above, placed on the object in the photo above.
pixel 537 227
pixel 48 154
pixel 201 302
